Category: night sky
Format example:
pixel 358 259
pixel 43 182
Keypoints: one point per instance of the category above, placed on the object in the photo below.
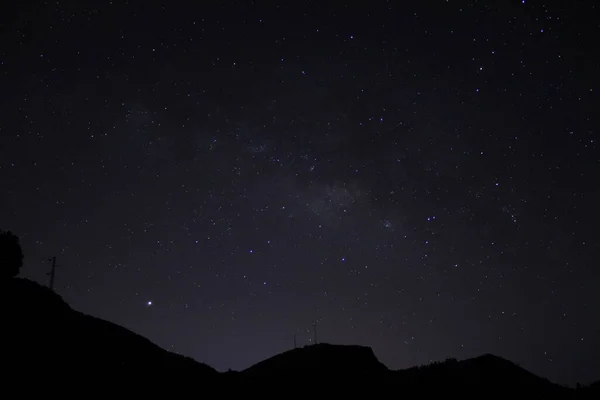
pixel 419 177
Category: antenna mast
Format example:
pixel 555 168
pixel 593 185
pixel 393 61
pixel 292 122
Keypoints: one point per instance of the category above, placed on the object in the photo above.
pixel 52 273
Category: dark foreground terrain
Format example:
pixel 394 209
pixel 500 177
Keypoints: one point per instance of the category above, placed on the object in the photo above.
pixel 44 337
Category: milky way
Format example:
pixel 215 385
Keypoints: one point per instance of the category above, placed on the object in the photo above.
pixel 417 178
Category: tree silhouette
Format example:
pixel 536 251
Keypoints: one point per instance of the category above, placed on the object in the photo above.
pixel 11 255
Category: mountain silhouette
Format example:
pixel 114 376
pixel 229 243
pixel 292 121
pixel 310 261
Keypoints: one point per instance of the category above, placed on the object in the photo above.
pixel 497 375
pixel 42 333
pixel 320 359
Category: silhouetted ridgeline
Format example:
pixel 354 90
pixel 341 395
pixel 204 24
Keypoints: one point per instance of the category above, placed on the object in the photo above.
pixel 320 360
pixel 41 333
pixel 355 366
pixel 494 373
pixel 43 336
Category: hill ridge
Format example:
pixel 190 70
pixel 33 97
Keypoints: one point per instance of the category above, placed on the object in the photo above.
pixel 37 317
pixel 45 328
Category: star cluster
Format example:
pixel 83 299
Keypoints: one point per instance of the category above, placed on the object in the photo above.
pixel 420 178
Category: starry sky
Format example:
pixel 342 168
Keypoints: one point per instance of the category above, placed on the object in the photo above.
pixel 418 177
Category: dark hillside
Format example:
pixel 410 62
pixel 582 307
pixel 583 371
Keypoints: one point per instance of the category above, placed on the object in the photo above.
pixel 42 333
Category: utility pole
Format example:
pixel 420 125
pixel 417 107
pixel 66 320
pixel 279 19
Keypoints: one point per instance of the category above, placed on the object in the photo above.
pixel 52 272
pixel 315 331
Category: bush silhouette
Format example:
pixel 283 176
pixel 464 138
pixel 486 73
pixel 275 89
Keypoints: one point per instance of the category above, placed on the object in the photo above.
pixel 11 255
